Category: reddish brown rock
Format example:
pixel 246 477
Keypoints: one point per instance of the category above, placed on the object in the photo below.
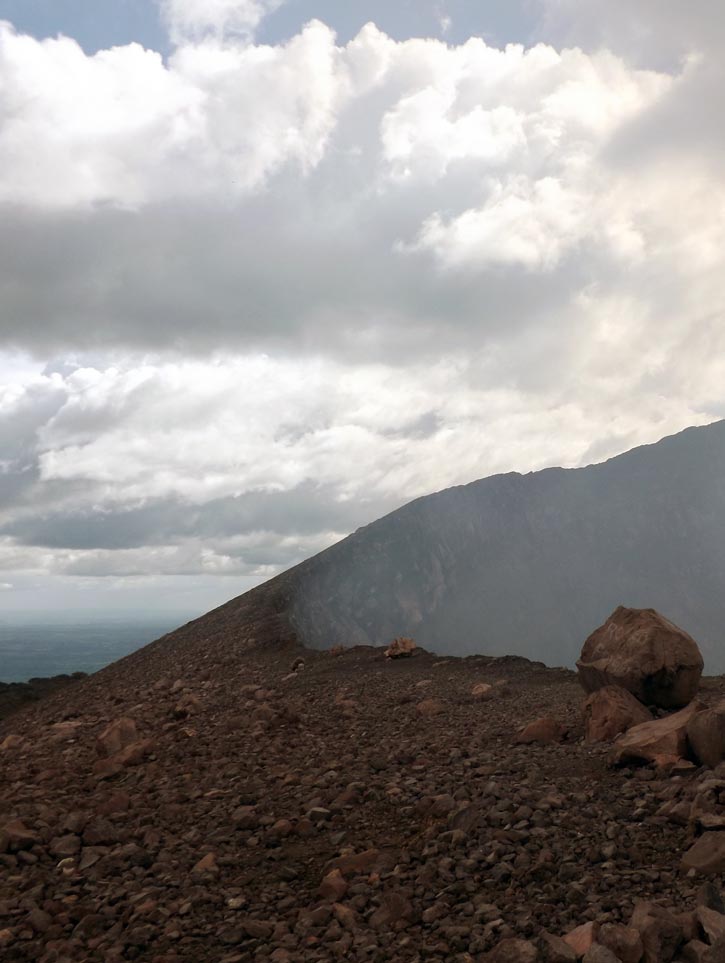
pixel 706 855
pixel 345 916
pixel 400 648
pixel 624 941
pixel 599 954
pixel 643 652
pixel 395 910
pixel 482 692
pixel 333 886
pixel 186 706
pixel 662 741
pixel 258 929
pixel 659 931
pixel 131 755
pixel 429 707
pixel 135 753
pixel 358 864
pixel 116 736
pixel 15 836
pixel 543 731
pixel 610 711
pixel 557 950
pixel 582 937
pixel 207 864
pixel 513 951
pixel 706 735
pixel 695 951
pixel 712 923
pixel 62 846
pixel 61 731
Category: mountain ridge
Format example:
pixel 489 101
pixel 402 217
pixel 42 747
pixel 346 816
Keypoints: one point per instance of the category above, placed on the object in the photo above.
pixel 513 563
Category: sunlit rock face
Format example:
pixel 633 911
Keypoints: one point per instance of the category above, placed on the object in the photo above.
pixel 531 564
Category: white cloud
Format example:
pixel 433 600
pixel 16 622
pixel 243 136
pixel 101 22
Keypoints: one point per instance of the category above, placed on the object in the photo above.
pixel 335 275
pixel 192 19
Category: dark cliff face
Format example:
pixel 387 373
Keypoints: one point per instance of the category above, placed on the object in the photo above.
pixel 530 564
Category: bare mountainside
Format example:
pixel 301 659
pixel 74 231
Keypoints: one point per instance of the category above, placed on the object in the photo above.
pixel 527 564
pixel 522 564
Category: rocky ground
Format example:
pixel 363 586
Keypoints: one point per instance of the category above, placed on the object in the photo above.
pixel 356 809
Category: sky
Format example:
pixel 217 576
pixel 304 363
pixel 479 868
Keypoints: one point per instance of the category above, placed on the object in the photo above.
pixel 269 270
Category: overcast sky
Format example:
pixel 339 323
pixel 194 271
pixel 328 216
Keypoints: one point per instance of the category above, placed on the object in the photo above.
pixel 269 270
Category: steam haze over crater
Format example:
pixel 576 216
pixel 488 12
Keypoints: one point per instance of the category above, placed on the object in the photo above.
pixel 268 271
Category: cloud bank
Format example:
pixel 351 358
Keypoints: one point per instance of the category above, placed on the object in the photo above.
pixel 252 296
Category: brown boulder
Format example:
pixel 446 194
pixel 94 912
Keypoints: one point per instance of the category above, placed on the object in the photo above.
pixel 400 648
pixel 611 710
pixel 116 736
pixel 712 923
pixel 662 741
pixel 643 652
pixel 706 735
pixel 513 951
pixel 543 731
pixel 624 941
pixel 583 937
pixel 706 855
pixel 659 931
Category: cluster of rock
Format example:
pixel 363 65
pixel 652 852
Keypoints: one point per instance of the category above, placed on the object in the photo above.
pixel 654 934
pixel 634 668
pixel 400 648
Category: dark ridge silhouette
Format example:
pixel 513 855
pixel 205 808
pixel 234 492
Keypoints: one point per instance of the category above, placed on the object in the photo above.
pixel 15 695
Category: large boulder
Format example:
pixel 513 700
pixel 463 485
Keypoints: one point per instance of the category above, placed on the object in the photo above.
pixel 611 710
pixel 643 652
pixel 706 855
pixel 116 736
pixel 659 930
pixel 706 735
pixel 662 741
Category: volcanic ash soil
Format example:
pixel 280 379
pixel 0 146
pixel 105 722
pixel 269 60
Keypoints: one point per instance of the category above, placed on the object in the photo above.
pixel 293 806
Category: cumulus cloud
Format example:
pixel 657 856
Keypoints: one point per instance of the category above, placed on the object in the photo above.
pixel 656 33
pixel 194 19
pixel 295 197
pixel 286 287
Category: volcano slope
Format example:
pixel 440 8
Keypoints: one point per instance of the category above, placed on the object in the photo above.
pixel 246 785
pixel 528 564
